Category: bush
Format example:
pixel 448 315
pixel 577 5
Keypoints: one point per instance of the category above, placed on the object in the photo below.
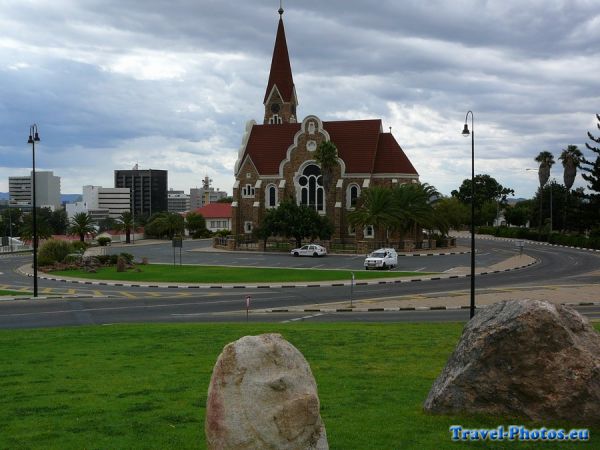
pixel 72 258
pixel 53 251
pixel 79 246
pixel 103 241
pixel 222 233
pixel 128 257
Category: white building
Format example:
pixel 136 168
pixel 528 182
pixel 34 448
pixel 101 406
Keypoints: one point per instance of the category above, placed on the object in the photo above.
pixel 177 201
pixel 101 203
pixel 47 190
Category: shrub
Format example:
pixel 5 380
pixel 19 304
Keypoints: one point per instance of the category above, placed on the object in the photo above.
pixel 128 257
pixel 103 241
pixel 79 246
pixel 53 251
pixel 72 258
pixel 104 259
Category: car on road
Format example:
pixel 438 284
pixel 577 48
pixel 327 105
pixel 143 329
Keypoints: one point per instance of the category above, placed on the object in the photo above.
pixel 383 258
pixel 310 250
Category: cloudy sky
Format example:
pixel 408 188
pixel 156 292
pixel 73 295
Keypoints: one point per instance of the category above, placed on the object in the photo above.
pixel 169 84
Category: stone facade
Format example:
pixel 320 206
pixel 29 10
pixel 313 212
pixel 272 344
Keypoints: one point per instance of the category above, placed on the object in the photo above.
pixel 276 159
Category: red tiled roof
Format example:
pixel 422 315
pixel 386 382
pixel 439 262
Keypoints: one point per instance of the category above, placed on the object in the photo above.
pixel 215 211
pixel 281 70
pixel 390 158
pixel 360 143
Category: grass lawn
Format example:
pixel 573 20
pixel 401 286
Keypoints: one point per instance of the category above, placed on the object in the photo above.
pixel 229 275
pixel 145 386
pixel 13 293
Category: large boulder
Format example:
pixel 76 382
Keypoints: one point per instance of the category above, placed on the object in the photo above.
pixel 262 395
pixel 524 358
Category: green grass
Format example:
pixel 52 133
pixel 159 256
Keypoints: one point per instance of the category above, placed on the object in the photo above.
pixel 13 293
pixel 145 386
pixel 223 274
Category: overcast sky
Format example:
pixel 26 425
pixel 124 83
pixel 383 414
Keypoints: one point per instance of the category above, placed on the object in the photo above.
pixel 169 84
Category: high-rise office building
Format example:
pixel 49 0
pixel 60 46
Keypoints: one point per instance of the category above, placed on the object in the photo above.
pixel 148 189
pixel 47 190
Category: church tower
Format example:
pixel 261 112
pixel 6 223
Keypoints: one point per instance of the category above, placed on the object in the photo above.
pixel 280 97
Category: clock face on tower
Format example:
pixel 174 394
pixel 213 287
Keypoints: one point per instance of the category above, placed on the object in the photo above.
pixel 275 108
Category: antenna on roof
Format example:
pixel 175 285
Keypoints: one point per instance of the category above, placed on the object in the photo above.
pixel 280 7
pixel 390 130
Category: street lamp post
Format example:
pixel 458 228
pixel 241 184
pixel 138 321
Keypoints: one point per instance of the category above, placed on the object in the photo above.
pixel 465 133
pixel 33 138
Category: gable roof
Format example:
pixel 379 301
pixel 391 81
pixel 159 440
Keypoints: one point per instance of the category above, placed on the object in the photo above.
pixel 390 157
pixel 360 143
pixel 281 69
pixel 215 211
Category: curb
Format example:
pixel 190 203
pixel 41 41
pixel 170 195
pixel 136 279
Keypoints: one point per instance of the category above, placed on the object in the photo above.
pixel 268 286
pixel 412 308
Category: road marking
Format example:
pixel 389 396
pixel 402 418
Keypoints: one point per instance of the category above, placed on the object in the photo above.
pixel 98 293
pixel 47 290
pixel 71 291
pixel 418 270
pixel 303 318
pixel 127 294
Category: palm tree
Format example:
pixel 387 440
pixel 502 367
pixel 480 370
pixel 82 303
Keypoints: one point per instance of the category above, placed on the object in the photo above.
pixel 414 207
pixel 546 161
pixel 82 224
pixel 326 157
pixel 375 208
pixel 126 223
pixel 571 158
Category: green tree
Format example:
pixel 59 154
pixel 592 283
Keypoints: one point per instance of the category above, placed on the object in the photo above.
pixel 591 167
pixel 127 224
pixel 375 208
pixel 43 228
pixel 291 220
pixel 165 224
pixel 518 215
pixel 453 211
pixel 58 221
pixel 546 161
pixel 82 224
pixel 413 208
pixel 326 157
pixel 228 199
pixel 12 219
pixel 107 224
pixel 196 225
pixel 571 160
pixel 486 189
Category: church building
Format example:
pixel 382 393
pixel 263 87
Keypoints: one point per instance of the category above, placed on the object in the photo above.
pixel 276 158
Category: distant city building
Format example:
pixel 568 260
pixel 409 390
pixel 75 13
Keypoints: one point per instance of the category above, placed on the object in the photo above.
pixel 47 190
pixel 205 195
pixel 217 216
pixel 148 189
pixel 178 201
pixel 101 203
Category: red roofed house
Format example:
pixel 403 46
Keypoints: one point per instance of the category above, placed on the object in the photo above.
pixel 217 216
pixel 275 160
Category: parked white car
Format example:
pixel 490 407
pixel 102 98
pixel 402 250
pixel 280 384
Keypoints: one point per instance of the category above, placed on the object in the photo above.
pixel 309 250
pixel 384 258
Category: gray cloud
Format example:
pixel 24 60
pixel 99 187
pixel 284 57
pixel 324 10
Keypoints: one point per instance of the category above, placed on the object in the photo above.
pixel 171 84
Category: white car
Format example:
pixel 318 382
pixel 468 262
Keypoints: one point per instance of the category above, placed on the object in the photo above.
pixel 309 250
pixel 384 258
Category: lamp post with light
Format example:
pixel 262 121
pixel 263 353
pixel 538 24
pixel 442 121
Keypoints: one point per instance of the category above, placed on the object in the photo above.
pixel 33 138
pixel 465 133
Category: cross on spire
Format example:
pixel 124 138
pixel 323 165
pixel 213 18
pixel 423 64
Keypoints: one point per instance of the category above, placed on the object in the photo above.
pixel 280 7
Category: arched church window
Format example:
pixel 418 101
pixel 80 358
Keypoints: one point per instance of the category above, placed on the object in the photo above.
pixel 271 196
pixel 311 188
pixel 352 194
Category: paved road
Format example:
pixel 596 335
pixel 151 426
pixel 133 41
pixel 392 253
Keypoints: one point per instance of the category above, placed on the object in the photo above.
pixel 175 305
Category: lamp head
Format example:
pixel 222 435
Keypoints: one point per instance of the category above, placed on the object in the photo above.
pixel 30 140
pixel 465 131
pixel 36 138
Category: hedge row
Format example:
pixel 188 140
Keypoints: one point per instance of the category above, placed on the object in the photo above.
pixel 534 235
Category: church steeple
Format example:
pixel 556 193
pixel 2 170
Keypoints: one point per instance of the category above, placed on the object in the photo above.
pixel 280 97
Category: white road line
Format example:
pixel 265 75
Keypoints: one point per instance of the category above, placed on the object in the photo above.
pixel 418 270
pixel 295 319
